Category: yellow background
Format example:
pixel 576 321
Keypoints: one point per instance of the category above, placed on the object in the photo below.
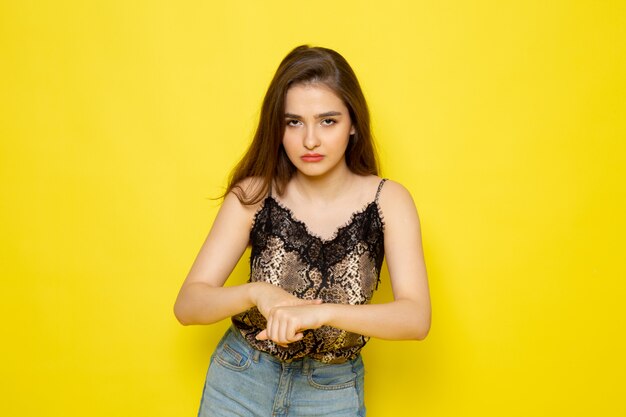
pixel 505 119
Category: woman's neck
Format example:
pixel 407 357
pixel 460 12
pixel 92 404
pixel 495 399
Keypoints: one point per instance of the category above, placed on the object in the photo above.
pixel 326 187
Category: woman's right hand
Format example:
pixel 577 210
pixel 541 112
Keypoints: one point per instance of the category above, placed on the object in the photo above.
pixel 267 296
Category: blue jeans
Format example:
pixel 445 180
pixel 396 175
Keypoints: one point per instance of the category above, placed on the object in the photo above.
pixel 242 381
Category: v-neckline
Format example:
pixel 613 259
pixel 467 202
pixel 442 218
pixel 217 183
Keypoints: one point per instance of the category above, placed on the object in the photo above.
pixel 316 236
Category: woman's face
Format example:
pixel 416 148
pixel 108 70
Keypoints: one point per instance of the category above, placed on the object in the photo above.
pixel 317 131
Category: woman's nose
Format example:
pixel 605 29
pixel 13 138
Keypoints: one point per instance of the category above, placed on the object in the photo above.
pixel 311 140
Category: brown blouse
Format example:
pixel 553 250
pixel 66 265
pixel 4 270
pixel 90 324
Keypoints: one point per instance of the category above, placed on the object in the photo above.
pixel 343 269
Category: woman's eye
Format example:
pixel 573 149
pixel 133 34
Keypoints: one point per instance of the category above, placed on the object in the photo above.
pixel 293 122
pixel 328 122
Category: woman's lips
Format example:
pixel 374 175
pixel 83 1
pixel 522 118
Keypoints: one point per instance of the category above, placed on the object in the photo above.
pixel 312 157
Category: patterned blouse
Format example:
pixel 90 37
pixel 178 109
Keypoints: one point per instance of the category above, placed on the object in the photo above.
pixel 343 269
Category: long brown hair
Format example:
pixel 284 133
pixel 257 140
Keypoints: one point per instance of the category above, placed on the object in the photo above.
pixel 266 159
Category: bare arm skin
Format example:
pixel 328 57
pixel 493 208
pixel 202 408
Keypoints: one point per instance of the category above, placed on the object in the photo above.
pixel 202 298
pixel 407 317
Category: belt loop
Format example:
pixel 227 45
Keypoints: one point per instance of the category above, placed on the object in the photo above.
pixel 255 355
pixel 306 366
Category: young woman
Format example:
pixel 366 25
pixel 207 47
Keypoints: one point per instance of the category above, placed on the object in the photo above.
pixel 308 200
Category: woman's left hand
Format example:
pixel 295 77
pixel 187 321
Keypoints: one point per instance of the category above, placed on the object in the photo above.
pixel 286 323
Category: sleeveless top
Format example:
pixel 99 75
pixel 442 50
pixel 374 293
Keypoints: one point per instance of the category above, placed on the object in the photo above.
pixel 344 269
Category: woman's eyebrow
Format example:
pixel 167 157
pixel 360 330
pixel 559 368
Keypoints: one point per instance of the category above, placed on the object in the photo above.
pixel 318 116
pixel 328 114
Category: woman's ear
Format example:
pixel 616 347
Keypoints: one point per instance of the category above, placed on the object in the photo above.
pixel 352 130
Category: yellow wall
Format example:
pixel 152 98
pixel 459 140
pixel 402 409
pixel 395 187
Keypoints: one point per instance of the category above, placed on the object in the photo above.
pixel 505 119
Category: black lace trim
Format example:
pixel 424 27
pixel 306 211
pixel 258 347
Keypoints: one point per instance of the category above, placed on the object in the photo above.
pixel 275 220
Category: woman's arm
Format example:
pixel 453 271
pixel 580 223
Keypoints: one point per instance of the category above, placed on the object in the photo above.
pixel 407 317
pixel 202 298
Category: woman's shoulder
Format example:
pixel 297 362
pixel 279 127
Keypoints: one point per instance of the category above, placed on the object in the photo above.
pixel 246 197
pixel 250 190
pixel 392 195
pixel 387 188
pixel 397 209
